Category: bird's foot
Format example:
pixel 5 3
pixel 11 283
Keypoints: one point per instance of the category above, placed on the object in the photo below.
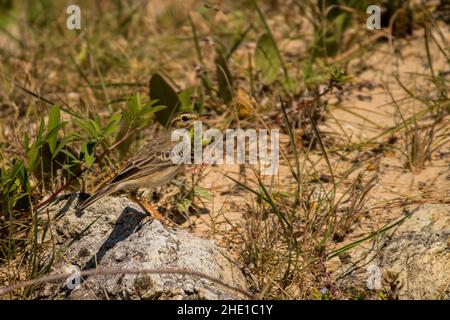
pixel 151 211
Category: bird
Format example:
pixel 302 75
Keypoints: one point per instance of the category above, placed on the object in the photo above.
pixel 150 167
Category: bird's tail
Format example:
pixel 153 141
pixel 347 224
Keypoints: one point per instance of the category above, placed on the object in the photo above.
pixel 96 196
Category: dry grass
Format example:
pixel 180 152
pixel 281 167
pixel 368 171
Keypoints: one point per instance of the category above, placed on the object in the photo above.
pixel 343 116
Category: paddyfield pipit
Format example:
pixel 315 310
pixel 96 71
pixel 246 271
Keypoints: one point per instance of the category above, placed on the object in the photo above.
pixel 150 167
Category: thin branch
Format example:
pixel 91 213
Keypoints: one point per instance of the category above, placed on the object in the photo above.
pixel 116 271
pixel 38 96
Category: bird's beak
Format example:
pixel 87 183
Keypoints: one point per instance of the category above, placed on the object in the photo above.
pixel 203 117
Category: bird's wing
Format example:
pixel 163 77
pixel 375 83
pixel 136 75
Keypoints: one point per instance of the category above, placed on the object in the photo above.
pixel 149 159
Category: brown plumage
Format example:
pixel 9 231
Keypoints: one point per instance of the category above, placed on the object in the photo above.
pixel 150 167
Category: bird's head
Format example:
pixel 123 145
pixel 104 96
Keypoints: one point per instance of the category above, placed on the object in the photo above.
pixel 184 120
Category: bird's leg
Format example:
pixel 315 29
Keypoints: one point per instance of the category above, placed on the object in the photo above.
pixel 135 197
pixel 148 207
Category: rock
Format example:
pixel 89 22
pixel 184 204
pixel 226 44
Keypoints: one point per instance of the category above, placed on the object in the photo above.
pixel 413 262
pixel 115 233
pixel 419 253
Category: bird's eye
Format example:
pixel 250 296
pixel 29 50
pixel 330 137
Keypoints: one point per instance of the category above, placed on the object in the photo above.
pixel 185 118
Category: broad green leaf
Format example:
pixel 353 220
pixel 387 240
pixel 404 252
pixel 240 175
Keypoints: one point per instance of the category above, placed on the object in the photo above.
pixel 267 59
pixel 224 78
pixel 164 93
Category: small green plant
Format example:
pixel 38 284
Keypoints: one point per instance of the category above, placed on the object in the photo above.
pixel 50 156
pixel 418 146
pixel 15 215
pixel 45 154
pixel 331 20
pixel 268 58
pixel 93 134
pixel 424 131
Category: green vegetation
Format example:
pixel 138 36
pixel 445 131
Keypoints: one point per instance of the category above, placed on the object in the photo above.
pixel 75 103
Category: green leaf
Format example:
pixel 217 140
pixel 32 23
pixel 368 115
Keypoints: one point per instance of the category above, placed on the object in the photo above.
pixel 53 133
pixel 147 105
pixel 61 145
pixel 54 119
pixel 88 151
pixel 26 141
pixel 164 93
pixel 96 127
pixel 274 49
pixel 184 206
pixel 185 99
pixel 138 113
pixel 202 193
pixel 70 155
pixel 40 132
pixel 267 59
pixel 32 157
pixel 112 125
pixel 224 78
pixel 130 114
pixel 87 127
pixel 150 110
pixel 134 105
pixel 312 77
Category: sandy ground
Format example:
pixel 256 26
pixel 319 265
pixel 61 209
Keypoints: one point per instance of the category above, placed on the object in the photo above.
pixel 371 111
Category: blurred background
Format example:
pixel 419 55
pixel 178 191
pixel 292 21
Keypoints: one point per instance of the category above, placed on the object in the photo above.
pixel 74 104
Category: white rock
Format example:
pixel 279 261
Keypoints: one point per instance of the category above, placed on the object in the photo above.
pixel 124 237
